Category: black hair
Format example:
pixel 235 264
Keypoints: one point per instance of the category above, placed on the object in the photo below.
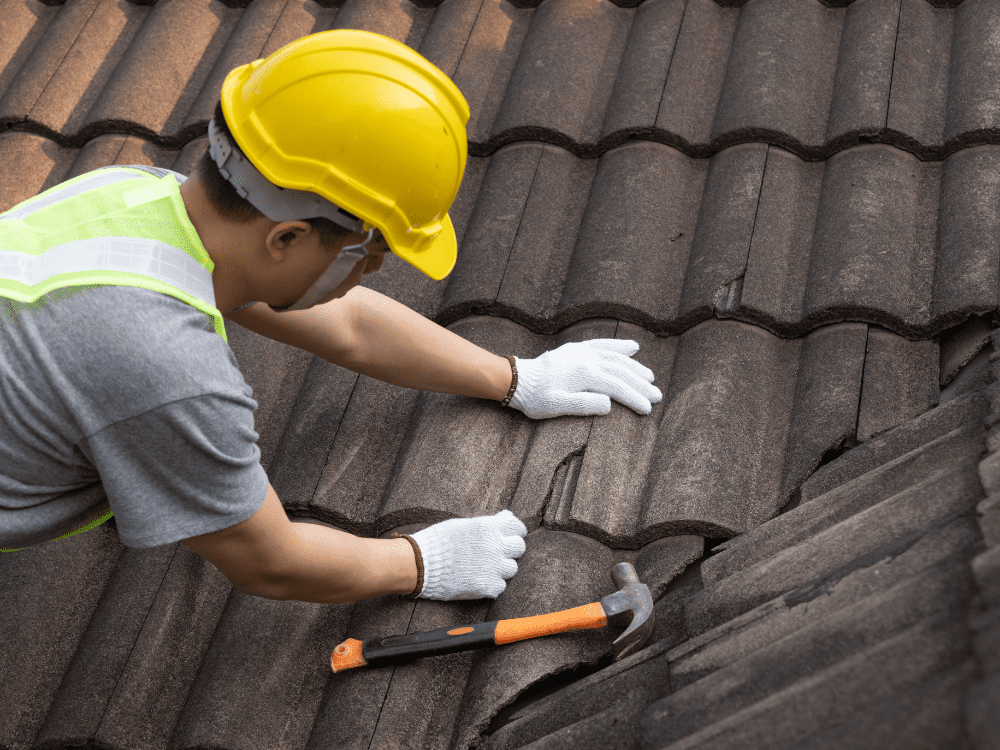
pixel 234 207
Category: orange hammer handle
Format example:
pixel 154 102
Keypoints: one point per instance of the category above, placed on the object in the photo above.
pixel 578 618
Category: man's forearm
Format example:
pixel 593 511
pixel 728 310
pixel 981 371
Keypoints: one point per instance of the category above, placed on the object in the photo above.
pixel 330 566
pixel 389 341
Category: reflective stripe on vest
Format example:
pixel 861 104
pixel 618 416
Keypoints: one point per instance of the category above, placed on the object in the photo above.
pixel 90 205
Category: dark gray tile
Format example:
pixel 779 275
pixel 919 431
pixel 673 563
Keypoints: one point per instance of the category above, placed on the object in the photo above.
pixel 919 98
pixel 25 24
pixel 562 82
pixel 697 72
pixel 901 382
pixel 854 654
pixel 487 63
pixel 960 345
pixel 860 101
pixel 262 680
pixel 968 250
pixel 635 239
pixel 245 44
pixel 152 686
pixel 883 531
pixel 558 571
pixel 974 75
pixel 43 633
pixel 929 714
pixel 827 393
pixel 38 64
pixel 642 74
pixel 891 445
pixel 79 707
pixel 780 77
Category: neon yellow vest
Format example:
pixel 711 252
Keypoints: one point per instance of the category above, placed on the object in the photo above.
pixel 121 226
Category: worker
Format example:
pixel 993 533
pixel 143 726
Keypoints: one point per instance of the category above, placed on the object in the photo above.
pixel 120 396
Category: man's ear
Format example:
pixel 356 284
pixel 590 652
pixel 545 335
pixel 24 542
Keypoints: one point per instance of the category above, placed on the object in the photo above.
pixel 285 233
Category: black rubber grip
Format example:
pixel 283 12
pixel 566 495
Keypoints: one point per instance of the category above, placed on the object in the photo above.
pixel 399 649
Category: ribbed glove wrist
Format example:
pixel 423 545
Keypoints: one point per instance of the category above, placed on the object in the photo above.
pixel 470 558
pixel 582 378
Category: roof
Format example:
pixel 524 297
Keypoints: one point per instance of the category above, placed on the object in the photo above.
pixel 791 206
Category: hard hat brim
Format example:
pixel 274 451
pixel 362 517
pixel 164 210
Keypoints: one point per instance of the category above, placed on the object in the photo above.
pixel 437 259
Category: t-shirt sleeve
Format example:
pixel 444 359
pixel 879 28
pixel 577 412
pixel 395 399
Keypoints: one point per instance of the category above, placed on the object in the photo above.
pixel 185 468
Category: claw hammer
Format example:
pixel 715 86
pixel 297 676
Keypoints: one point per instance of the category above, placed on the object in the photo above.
pixel 632 603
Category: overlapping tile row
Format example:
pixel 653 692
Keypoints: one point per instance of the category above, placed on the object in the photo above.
pixel 587 75
pixel 755 233
pixel 843 622
pixel 650 236
pixel 153 649
pixel 746 416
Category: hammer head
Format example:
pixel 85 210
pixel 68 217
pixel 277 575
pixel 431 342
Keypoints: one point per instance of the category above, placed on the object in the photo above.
pixel 631 603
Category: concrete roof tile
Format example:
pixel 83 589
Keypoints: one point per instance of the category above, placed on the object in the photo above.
pixel 891 445
pixel 245 44
pixel 974 74
pixel 929 712
pixel 153 93
pixel 25 23
pixel 560 83
pixel 558 571
pixel 487 61
pixel 80 705
pixel 817 699
pixel 888 528
pixel 30 80
pixel 298 18
pixel 960 345
pixel 538 264
pixel 642 74
pixel 492 230
pixel 831 653
pixel 860 100
pixel 42 633
pixel 253 693
pixel 88 65
pixel 632 253
pixel 398 19
pixel 781 71
pixel 918 102
pixel 31 164
pixel 968 228
pixel 901 382
pixel 694 82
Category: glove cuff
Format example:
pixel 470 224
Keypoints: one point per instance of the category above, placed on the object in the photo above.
pixel 420 564
pixel 525 399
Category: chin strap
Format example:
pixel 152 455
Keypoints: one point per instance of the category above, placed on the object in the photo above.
pixel 334 275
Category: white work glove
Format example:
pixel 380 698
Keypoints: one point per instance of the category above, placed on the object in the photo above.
pixel 581 379
pixel 470 558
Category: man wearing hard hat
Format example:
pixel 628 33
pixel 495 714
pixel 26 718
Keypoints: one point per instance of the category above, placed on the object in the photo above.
pixel 118 394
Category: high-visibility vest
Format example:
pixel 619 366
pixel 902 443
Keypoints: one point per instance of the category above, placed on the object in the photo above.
pixel 120 226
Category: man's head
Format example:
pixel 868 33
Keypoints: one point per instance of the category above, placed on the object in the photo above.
pixel 302 249
pixel 335 139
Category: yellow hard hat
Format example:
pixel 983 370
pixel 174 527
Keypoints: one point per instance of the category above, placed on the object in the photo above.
pixel 366 123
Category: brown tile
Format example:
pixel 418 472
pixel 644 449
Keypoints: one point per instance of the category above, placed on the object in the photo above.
pixel 31 164
pixel 25 24
pixel 151 93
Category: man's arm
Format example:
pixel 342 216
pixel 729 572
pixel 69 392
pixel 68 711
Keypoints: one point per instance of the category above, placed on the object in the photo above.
pixel 370 333
pixel 267 555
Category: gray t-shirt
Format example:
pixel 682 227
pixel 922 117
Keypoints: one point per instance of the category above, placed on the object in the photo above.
pixel 121 396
